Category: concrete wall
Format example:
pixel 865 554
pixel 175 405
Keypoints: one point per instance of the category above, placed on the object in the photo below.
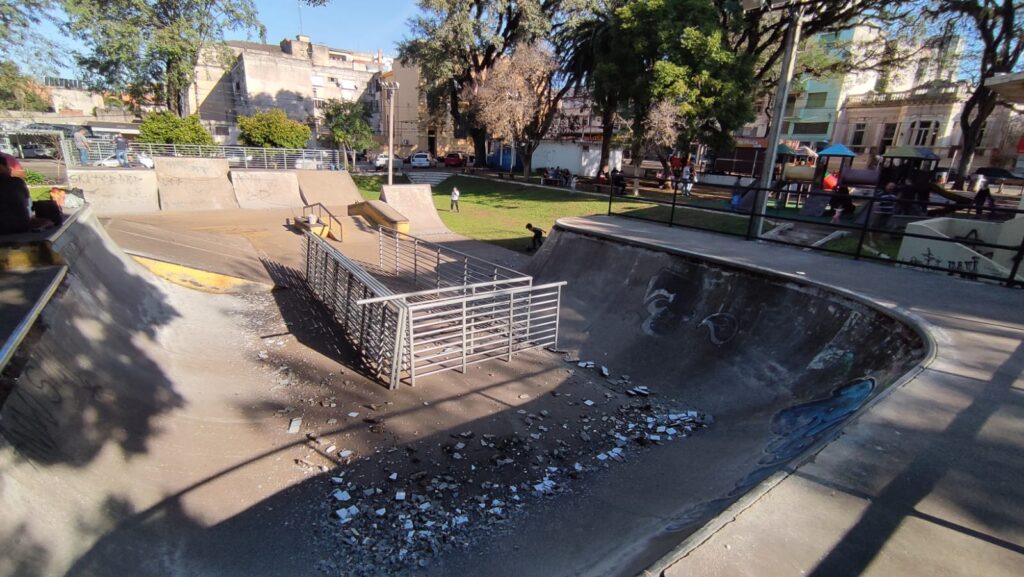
pixel 958 257
pixel 117 190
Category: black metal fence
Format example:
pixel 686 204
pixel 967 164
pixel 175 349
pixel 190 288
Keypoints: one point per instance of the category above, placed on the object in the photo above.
pixel 868 227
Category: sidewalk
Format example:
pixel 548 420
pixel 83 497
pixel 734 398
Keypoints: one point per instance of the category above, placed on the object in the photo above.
pixel 927 481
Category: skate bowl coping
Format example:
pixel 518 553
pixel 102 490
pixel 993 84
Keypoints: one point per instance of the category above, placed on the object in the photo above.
pixel 381 213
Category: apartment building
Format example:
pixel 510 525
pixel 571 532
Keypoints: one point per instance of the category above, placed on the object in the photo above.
pixel 297 76
pixel 416 130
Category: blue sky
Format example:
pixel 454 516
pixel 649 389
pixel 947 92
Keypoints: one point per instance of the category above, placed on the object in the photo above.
pixel 353 24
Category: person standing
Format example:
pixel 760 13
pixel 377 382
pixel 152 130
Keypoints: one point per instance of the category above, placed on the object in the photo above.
pixel 121 150
pixel 882 211
pixel 687 177
pixel 455 199
pixel 82 144
pixel 538 236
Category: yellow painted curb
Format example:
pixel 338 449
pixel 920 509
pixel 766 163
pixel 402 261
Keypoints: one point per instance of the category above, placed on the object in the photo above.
pixel 201 280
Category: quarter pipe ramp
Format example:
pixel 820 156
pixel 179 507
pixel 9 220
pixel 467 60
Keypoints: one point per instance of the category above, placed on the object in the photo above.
pixel 117 190
pixel 257 189
pixel 330 188
pixel 416 203
pixel 194 184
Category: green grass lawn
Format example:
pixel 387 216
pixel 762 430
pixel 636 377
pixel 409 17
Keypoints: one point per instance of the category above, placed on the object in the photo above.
pixel 40 192
pixel 370 185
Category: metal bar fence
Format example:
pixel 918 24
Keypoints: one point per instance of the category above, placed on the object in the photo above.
pixel 447 326
pixel 702 214
pixel 101 153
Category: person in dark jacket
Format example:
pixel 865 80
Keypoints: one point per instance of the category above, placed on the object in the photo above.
pixel 16 204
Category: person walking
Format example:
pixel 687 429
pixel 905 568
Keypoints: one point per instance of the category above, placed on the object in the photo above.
pixel 121 150
pixel 455 199
pixel 538 237
pixel 82 144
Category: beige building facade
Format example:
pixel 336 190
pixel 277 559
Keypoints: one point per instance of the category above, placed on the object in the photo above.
pixel 415 129
pixel 297 76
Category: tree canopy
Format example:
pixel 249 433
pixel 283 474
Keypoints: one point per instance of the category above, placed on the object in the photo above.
pixel 17 91
pixel 169 128
pixel 348 124
pixel 150 48
pixel 272 129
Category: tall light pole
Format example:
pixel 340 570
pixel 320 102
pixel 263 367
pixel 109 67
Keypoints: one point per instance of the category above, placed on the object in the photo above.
pixel 796 13
pixel 390 88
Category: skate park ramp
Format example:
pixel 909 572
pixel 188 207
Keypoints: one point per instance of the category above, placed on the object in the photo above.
pixel 188 184
pixel 416 203
pixel 117 190
pixel 331 188
pixel 131 395
pixel 261 189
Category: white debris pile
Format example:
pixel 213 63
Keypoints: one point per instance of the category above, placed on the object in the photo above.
pixel 392 523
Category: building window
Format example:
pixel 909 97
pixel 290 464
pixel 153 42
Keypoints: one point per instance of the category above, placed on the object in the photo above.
pixel 810 128
pixel 857 138
pixel 923 133
pixel 221 131
pixel 888 137
pixel 816 99
pixel 320 103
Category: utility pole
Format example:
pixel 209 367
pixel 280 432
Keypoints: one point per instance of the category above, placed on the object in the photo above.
pixel 796 14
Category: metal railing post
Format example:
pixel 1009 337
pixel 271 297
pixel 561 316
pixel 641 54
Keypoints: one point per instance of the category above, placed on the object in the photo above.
pixel 463 324
pixel 380 247
pixel 465 270
pixel 611 195
pixel 511 298
pixel 397 271
pixel 1011 280
pixel 412 350
pixel 415 260
pixel 672 213
pixel 558 310
pixel 437 270
pixel 864 228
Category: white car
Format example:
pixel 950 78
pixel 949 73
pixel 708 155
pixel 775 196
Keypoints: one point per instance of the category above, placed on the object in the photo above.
pixel 422 160
pixel 111 161
pixel 381 163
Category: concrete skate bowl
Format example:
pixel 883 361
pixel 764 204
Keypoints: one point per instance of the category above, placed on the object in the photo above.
pixel 109 408
pixel 416 203
pixel 780 364
pixel 330 188
pixel 189 184
pixel 117 190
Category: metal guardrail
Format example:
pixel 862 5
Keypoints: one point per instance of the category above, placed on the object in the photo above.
pixel 425 264
pixel 237 156
pixel 472 311
pixel 670 209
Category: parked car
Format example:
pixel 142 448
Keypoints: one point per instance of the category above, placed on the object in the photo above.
pixel 111 161
pixel 38 151
pixel 381 162
pixel 455 160
pixel 16 168
pixel 423 160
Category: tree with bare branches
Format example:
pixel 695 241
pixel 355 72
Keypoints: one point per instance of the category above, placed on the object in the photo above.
pixel 519 99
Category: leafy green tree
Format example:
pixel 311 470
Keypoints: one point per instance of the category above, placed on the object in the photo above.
pixel 457 43
pixel 168 128
pixel 17 91
pixel 349 126
pixel 272 129
pixel 19 29
pixel 150 48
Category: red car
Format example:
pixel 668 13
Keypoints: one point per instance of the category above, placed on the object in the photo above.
pixel 455 160
pixel 16 168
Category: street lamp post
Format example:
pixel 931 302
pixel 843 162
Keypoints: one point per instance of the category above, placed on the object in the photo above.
pixel 778 109
pixel 390 88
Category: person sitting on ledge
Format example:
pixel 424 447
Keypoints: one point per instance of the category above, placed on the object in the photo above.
pixel 16 204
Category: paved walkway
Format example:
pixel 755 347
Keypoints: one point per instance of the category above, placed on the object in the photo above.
pixel 927 481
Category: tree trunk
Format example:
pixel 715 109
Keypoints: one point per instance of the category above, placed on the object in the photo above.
pixel 607 131
pixel 527 157
pixel 344 157
pixel 976 111
pixel 479 136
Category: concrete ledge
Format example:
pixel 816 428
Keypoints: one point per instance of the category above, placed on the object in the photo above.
pixel 380 212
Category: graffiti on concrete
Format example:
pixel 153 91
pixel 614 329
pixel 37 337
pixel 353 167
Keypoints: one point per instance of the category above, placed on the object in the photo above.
pixel 722 327
pixel 928 258
pixel 666 310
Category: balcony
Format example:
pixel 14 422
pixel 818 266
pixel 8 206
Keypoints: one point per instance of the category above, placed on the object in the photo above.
pixel 920 95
